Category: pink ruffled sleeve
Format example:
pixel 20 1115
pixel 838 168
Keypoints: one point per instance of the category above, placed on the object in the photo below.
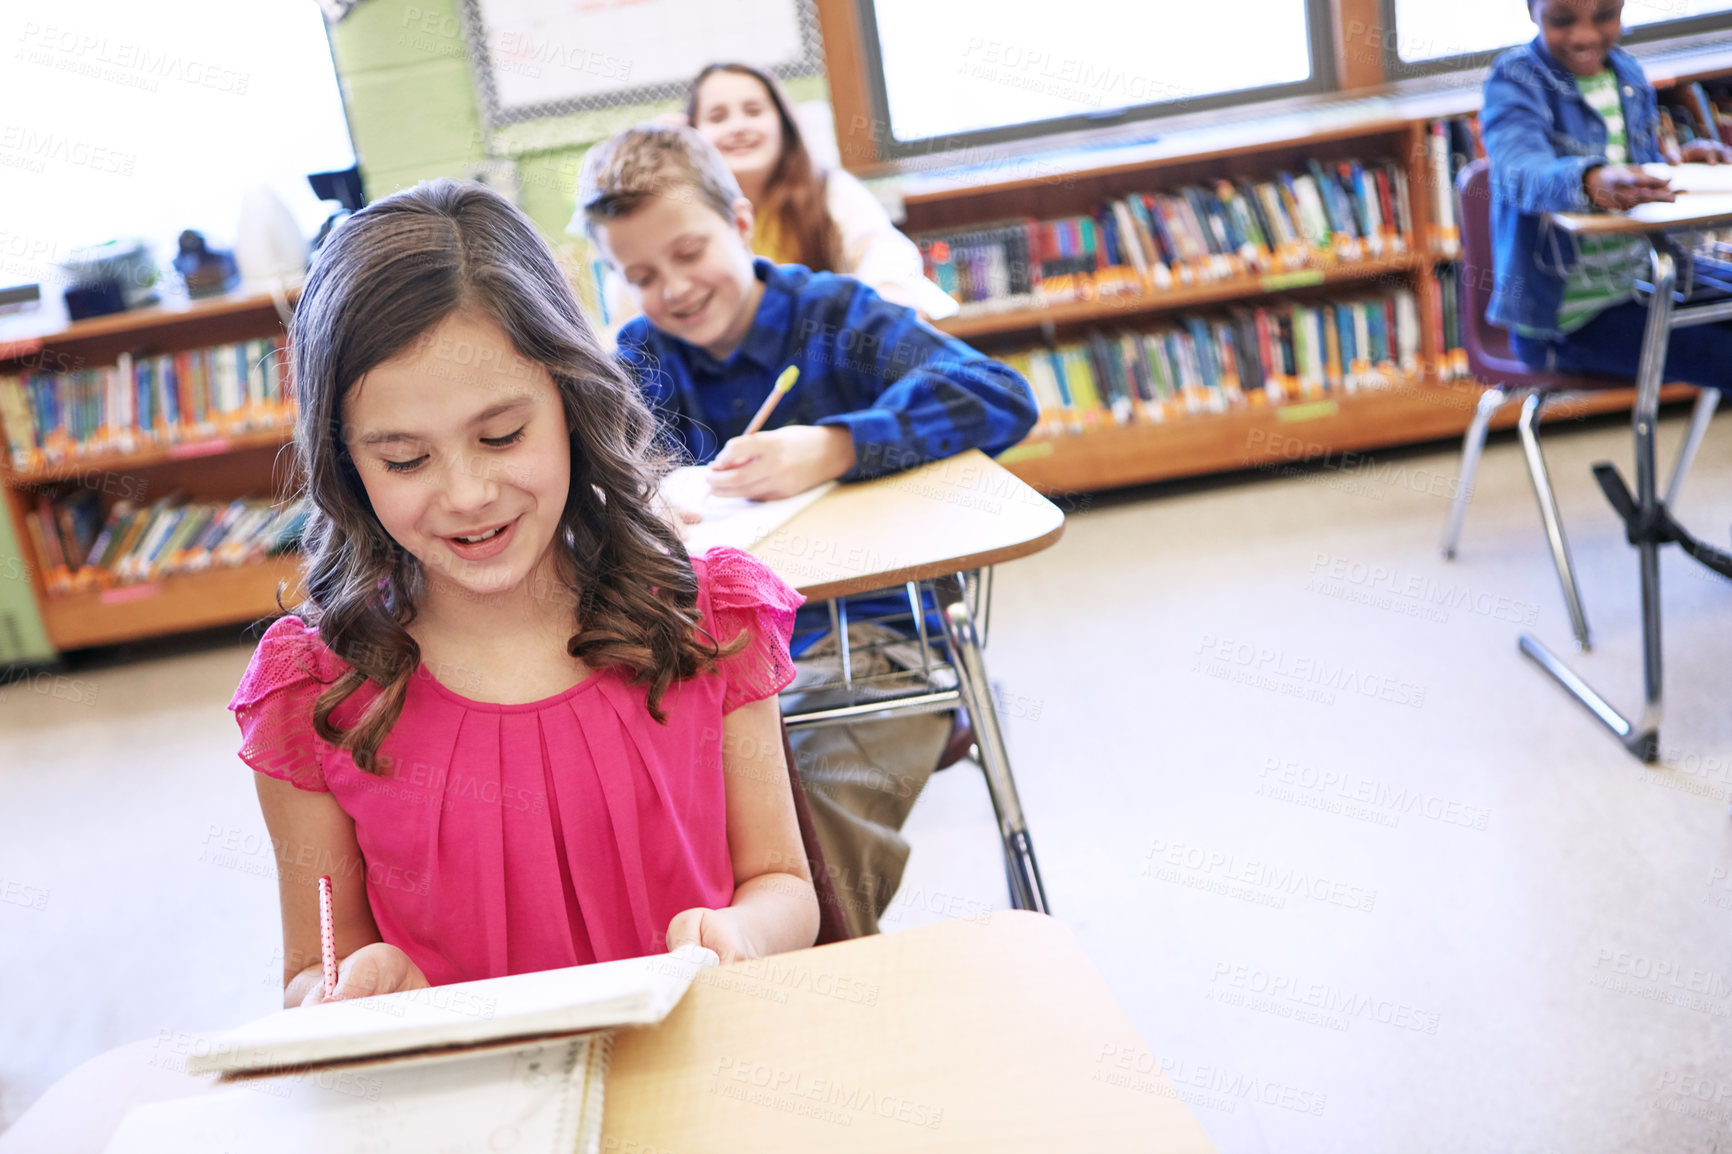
pixel 745 594
pixel 274 704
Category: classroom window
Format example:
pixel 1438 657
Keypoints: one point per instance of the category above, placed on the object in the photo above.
pixel 1428 36
pixel 948 74
pixel 147 119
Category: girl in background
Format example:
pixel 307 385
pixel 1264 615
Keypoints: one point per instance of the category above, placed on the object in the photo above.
pixel 823 219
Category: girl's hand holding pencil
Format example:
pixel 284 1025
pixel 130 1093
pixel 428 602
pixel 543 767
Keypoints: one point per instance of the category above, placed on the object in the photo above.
pixel 374 969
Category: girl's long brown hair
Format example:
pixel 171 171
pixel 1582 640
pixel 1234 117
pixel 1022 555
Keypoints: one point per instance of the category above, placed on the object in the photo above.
pixel 794 194
pixel 385 277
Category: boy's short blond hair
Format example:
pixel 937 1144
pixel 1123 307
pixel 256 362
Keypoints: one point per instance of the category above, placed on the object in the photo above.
pixel 648 160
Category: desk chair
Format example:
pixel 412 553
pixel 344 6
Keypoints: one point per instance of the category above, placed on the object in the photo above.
pixel 924 676
pixel 1510 380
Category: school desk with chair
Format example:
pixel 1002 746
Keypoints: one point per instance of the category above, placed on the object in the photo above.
pixel 943 526
pixel 1690 284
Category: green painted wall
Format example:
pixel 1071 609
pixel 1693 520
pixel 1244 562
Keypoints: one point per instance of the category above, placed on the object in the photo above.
pixel 23 640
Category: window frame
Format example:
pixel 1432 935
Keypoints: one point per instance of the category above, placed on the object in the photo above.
pixel 1394 68
pixel 1320 24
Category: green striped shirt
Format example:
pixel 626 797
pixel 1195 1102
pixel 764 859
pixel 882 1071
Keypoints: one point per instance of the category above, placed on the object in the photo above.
pixel 1606 268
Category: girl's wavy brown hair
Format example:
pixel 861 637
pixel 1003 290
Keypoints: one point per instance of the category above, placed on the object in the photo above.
pixel 794 196
pixel 384 278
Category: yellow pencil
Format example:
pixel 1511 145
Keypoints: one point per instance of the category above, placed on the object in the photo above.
pixel 783 384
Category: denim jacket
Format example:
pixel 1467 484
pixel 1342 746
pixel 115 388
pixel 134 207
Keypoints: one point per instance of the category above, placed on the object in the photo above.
pixel 1542 136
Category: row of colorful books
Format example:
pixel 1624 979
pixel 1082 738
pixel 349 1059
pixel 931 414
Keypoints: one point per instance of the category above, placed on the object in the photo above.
pixel 1451 145
pixel 141 402
pixel 1148 242
pixel 1247 357
pixel 84 550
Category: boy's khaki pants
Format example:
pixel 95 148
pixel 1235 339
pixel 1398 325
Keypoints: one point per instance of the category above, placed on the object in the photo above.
pixel 862 777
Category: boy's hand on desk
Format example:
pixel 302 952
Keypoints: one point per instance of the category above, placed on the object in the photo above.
pixel 374 969
pixel 1624 186
pixel 717 930
pixel 781 462
pixel 1705 152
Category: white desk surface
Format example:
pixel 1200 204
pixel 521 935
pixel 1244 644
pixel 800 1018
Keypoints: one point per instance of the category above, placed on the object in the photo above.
pixel 1690 210
pixel 966 512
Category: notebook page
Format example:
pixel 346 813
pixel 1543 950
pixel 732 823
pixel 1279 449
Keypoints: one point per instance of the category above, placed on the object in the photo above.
pixel 733 521
pixel 1694 177
pixel 632 991
pixel 533 1099
pixel 1688 207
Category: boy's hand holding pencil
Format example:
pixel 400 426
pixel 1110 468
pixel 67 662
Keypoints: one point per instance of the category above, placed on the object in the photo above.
pixel 783 462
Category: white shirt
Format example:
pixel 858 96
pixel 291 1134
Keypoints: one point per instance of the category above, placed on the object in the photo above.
pixel 875 251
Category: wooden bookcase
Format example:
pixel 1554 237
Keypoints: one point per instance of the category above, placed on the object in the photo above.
pixel 1386 125
pixel 223 468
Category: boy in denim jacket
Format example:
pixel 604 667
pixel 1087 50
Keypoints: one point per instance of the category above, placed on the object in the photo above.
pixel 1568 120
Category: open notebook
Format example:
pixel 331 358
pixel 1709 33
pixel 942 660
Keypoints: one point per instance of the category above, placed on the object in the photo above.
pixel 484 1065
pixel 543 1097
pixel 629 992
pixel 1694 177
pixel 732 521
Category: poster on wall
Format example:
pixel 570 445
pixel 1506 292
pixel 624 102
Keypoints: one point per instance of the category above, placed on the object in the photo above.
pixel 538 58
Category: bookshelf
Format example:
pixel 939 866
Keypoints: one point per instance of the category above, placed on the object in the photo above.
pixel 1080 173
pixel 210 465
pixel 1054 178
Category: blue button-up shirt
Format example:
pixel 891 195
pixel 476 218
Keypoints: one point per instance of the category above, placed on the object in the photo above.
pixel 905 392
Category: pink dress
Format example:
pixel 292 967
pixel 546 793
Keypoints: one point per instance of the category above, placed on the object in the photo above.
pixel 503 839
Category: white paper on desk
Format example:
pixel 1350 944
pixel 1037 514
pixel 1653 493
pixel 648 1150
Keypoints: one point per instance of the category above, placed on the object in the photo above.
pixel 1694 177
pixel 1692 207
pixel 629 992
pixel 543 1098
pixel 732 521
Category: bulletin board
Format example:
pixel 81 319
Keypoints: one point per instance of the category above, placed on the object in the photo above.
pixel 540 58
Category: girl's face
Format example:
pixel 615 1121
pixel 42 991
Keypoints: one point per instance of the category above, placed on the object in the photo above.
pixel 1579 33
pixel 735 113
pixel 463 449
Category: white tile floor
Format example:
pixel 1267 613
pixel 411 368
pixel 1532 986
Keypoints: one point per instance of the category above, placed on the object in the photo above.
pixel 1432 908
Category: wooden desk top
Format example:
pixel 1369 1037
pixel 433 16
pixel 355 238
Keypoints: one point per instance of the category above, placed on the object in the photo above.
pixel 963 513
pixel 990 1034
pixel 1690 210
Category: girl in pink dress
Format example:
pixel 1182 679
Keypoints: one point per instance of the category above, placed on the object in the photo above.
pixel 512 719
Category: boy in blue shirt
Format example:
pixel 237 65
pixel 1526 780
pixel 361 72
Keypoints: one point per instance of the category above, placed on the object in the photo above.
pixel 1568 119
pixel 878 391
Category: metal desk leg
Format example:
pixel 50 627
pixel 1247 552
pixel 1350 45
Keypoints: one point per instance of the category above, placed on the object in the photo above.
pixel 1642 737
pixel 1553 521
pixel 1026 891
pixel 1472 446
